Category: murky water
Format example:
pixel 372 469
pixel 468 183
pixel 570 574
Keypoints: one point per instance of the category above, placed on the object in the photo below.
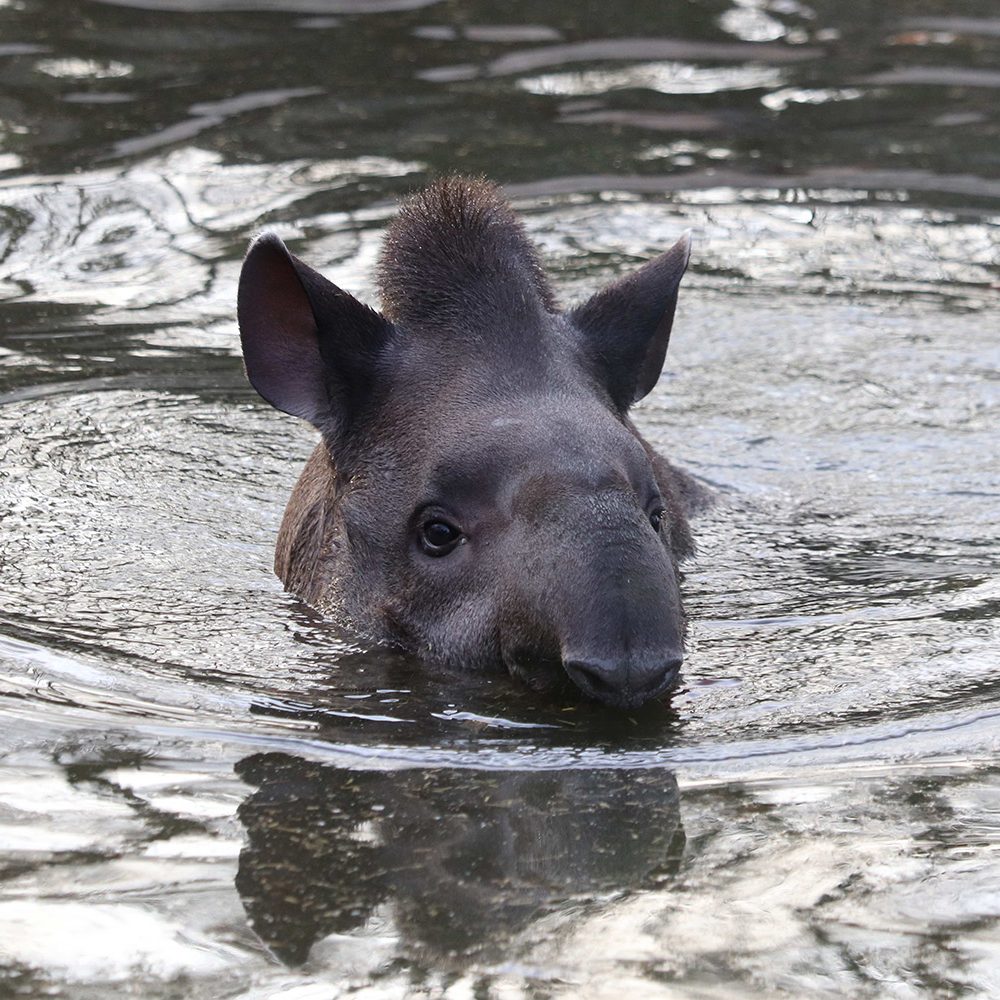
pixel 206 791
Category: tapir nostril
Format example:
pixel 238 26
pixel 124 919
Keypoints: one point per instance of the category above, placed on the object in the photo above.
pixel 623 685
pixel 663 678
pixel 595 679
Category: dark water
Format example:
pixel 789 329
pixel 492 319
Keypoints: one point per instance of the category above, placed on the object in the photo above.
pixel 205 791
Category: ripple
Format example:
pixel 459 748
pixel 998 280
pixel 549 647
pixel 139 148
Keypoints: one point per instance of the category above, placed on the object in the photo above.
pixel 684 123
pixel 628 49
pixel 182 742
pixel 743 236
pixel 934 76
pixel 501 33
pixel 208 114
pixel 843 178
pixel 130 238
pixel 810 602
pixel 283 6
pixel 985 26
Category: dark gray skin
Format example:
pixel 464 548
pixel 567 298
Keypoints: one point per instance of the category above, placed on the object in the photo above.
pixel 479 494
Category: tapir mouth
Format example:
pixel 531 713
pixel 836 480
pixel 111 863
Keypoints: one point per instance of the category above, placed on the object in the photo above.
pixel 621 688
pixel 538 673
pixel 625 686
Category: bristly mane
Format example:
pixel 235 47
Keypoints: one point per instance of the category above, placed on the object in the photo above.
pixel 456 252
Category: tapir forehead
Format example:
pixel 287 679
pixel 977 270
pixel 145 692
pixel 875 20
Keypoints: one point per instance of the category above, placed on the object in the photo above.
pixel 549 441
pixel 496 355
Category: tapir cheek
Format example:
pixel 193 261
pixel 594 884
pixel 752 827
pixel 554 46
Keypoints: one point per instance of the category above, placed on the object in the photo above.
pixel 459 631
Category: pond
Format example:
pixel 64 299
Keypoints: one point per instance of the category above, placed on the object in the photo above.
pixel 207 791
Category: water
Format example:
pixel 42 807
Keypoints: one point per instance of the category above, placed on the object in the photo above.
pixel 206 791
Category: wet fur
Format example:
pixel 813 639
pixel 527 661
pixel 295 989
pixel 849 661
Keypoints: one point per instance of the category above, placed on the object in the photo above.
pixel 305 558
pixel 470 340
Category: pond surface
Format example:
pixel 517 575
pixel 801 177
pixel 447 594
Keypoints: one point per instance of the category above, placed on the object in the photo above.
pixel 206 791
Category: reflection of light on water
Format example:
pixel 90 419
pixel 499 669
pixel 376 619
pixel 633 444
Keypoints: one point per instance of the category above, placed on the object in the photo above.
pixel 682 153
pixel 780 99
pixel 322 171
pixel 83 941
pixel 988 27
pixel 813 239
pixel 749 23
pixel 86 225
pixel 831 369
pixel 79 69
pixel 664 77
pixel 751 20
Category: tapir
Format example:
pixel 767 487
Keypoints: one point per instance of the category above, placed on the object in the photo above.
pixel 479 494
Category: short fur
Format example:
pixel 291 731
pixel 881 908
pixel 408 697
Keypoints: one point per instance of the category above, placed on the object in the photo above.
pixel 451 245
pixel 472 400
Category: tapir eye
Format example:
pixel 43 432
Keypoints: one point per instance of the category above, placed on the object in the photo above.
pixel 656 519
pixel 438 537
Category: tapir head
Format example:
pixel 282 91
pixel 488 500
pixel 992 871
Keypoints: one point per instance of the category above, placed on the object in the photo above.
pixel 486 501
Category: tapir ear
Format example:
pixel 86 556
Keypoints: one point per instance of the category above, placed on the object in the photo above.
pixel 310 349
pixel 626 326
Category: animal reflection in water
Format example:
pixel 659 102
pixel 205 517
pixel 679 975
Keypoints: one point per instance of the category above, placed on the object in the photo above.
pixel 467 859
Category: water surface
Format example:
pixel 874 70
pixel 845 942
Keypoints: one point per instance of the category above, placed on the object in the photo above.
pixel 207 791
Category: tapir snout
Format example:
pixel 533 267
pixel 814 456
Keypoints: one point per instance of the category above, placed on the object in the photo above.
pixel 632 650
pixel 604 596
pixel 624 683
